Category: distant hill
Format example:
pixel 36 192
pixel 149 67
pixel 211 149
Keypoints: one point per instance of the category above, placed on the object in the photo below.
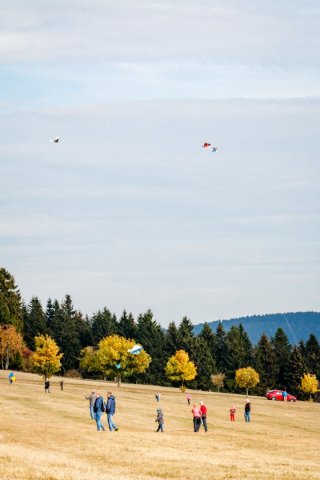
pixel 297 326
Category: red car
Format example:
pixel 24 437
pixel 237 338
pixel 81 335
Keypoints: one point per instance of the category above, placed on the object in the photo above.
pixel 278 395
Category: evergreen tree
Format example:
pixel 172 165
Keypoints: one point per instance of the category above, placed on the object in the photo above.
pixel 53 320
pixel 151 336
pixel 185 335
pixel 72 321
pixel 202 358
pixel 127 326
pixel 282 350
pixel 264 363
pixel 34 322
pixel 296 369
pixel 221 351
pixel 208 335
pixel 65 325
pixel 239 353
pixel 172 340
pixel 103 324
pixel 312 355
pixel 239 348
pixel 10 301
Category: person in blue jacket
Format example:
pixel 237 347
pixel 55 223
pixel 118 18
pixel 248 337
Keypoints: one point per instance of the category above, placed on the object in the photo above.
pixel 98 411
pixel 110 411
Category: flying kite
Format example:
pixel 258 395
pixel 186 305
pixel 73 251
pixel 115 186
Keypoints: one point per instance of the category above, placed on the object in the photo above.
pixel 207 145
pixel 136 349
pixel 55 140
pixel 118 365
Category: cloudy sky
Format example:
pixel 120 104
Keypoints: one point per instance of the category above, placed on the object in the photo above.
pixel 128 211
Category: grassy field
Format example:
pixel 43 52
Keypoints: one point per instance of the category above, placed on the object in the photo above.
pixel 51 437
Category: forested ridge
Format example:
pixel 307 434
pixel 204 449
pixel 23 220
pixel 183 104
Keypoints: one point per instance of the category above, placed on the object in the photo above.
pixel 297 325
pixel 280 364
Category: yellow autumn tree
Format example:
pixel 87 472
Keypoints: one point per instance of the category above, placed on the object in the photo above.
pixel 46 358
pixel 11 343
pixel 89 362
pixel 113 358
pixel 179 368
pixel 247 378
pixel 309 384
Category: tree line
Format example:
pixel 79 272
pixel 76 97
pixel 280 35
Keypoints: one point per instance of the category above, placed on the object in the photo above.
pixel 220 352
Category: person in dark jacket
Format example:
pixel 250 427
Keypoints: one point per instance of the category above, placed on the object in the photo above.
pixel 98 411
pixel 47 386
pixel 110 411
pixel 247 410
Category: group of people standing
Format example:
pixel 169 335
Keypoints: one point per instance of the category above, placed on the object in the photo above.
pixel 97 406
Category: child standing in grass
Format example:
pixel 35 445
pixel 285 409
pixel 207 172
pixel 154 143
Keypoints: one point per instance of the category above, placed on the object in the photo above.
pixel 232 413
pixel 160 420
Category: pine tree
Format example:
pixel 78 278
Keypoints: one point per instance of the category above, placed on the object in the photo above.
pixel 127 326
pixel 151 336
pixel 239 348
pixel 239 353
pixel 172 343
pixel 103 324
pixel 208 335
pixel 53 320
pixel 264 363
pixel 296 370
pixel 34 323
pixel 282 350
pixel 185 335
pixel 70 339
pixel 202 358
pixel 312 355
pixel 10 301
pixel 221 351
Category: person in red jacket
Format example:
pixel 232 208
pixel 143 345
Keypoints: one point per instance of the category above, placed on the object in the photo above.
pixel 232 413
pixel 203 411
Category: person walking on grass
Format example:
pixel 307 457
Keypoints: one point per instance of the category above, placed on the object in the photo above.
pixel 203 412
pixel 47 386
pixel 196 418
pixel 160 420
pixel 247 410
pixel 98 411
pixel 92 398
pixel 111 410
pixel 188 397
pixel 232 413
pixel 158 396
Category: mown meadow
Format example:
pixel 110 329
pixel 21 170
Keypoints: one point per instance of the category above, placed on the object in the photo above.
pixel 51 437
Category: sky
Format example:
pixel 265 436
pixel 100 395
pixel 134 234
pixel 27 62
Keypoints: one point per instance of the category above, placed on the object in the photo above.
pixel 128 211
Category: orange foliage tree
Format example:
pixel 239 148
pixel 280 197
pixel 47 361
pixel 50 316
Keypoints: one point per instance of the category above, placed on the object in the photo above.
pixel 11 343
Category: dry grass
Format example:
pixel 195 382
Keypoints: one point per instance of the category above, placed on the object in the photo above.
pixel 51 437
